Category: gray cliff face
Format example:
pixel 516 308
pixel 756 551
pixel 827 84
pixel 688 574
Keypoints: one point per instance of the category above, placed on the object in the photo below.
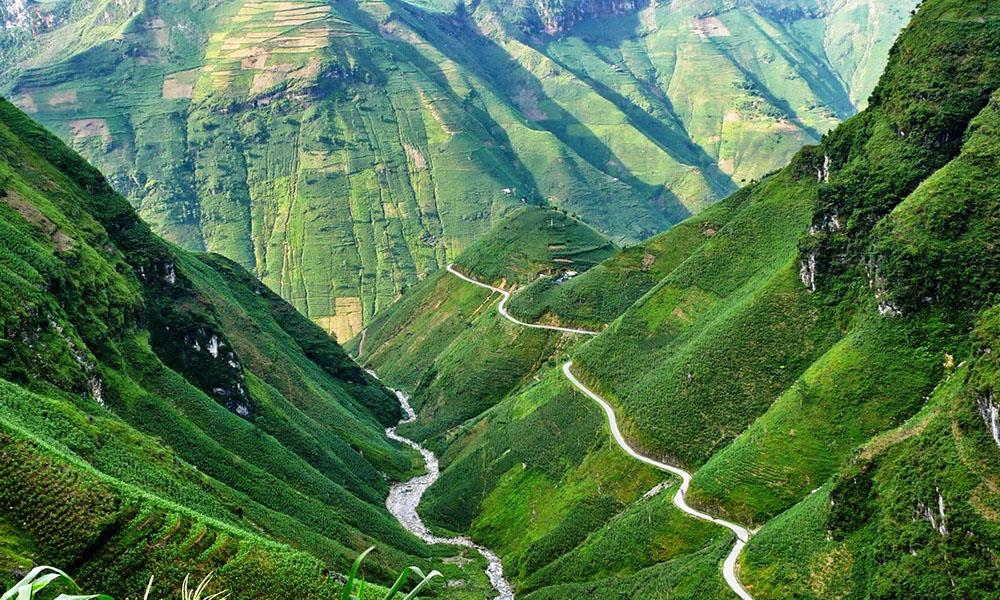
pixel 558 17
pixel 25 16
pixel 990 411
pixel 15 14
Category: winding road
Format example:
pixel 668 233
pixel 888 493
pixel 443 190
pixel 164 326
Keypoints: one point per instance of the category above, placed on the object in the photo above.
pixel 680 498
pixel 502 307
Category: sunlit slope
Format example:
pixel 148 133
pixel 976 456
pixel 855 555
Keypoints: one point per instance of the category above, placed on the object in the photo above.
pixel 443 341
pixel 289 137
pixel 743 279
pixel 674 89
pixel 165 413
pixel 601 294
pixel 827 308
pixel 342 152
pixel 914 513
pixel 888 280
pixel 527 464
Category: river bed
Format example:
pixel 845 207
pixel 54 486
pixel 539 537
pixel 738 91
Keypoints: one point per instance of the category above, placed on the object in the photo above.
pixel 405 497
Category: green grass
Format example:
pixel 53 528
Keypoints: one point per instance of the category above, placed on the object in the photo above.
pixel 869 382
pixel 694 575
pixel 719 356
pixel 361 148
pixel 595 298
pixel 865 533
pixel 743 279
pixel 444 341
pixel 649 532
pixel 838 430
pixel 534 243
pixel 164 408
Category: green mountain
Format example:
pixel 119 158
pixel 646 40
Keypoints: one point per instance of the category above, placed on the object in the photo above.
pixel 344 151
pixel 819 349
pixel 164 413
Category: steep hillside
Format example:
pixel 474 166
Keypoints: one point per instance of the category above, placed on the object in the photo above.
pixel 913 514
pixel 818 348
pixel 165 413
pixel 443 342
pixel 598 296
pixel 527 467
pixel 344 151
pixel 898 260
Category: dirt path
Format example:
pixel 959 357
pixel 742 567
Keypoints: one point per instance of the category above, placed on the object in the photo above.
pixel 680 498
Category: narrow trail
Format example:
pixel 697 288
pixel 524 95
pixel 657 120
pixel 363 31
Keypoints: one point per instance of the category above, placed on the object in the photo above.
pixel 404 498
pixel 502 307
pixel 680 498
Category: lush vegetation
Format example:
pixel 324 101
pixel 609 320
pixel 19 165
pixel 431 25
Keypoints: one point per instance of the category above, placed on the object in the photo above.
pixel 165 413
pixel 342 152
pixel 597 297
pixel 39 578
pixel 444 342
pixel 819 347
pixel 534 243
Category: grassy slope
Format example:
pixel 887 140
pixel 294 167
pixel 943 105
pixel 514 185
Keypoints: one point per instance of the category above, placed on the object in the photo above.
pixel 922 249
pixel 875 377
pixel 943 456
pixel 344 152
pixel 904 222
pixel 742 279
pixel 528 468
pixel 443 341
pixel 196 419
pixel 531 243
pixel 869 532
pixel 598 296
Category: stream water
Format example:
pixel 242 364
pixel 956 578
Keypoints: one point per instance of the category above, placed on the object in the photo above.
pixel 405 497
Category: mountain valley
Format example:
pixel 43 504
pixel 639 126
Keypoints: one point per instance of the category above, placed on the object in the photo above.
pixel 344 151
pixel 689 300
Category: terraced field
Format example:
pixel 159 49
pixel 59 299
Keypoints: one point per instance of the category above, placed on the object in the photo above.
pixel 343 152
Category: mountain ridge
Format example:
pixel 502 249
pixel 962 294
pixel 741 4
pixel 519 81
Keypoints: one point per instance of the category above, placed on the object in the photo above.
pixel 303 153
pixel 166 413
pixel 845 386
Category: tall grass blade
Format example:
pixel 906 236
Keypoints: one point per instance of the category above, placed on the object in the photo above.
pixel 349 586
pixel 420 586
pixel 45 580
pixel 31 577
pixel 38 579
pixel 401 581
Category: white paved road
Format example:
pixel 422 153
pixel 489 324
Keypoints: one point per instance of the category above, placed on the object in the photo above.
pixel 503 306
pixel 680 498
